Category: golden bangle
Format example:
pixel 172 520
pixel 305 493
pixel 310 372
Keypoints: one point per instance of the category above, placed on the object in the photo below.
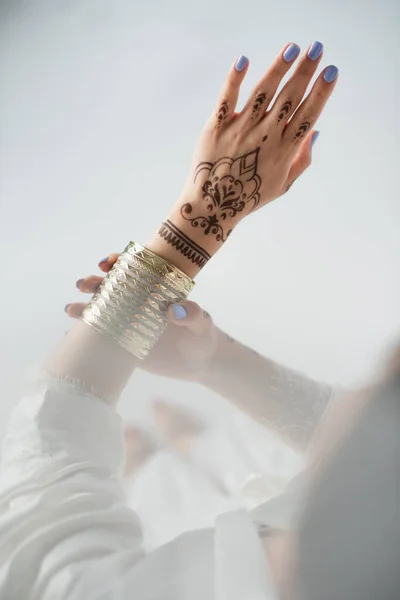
pixel 131 305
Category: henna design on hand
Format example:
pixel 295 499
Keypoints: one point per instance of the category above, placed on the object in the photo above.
pixel 258 103
pixel 206 314
pixel 284 110
pixel 222 113
pixel 183 244
pixel 301 132
pixel 231 186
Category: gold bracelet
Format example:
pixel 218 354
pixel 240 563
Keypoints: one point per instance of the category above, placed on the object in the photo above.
pixel 131 304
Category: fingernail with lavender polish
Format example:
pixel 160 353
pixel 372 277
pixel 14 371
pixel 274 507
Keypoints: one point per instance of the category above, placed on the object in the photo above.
pixel 314 138
pixel 103 260
pixel 315 51
pixel 331 73
pixel 291 53
pixel 241 63
pixel 179 312
pixel 78 283
pixel 67 307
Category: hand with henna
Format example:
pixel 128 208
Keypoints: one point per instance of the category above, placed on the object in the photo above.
pixel 246 159
pixel 243 161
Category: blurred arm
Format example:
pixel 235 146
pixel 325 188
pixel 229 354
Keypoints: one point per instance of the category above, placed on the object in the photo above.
pixel 287 402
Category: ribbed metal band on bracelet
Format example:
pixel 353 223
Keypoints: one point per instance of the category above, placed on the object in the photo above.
pixel 131 305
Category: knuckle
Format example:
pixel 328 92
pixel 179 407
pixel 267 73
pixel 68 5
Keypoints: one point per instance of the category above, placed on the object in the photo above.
pixel 304 71
pixel 319 94
pixel 278 70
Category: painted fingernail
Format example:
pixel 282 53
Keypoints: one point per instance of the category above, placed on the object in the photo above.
pixel 103 260
pixel 67 307
pixel 314 138
pixel 315 51
pixel 331 73
pixel 291 53
pixel 78 283
pixel 241 63
pixel 179 312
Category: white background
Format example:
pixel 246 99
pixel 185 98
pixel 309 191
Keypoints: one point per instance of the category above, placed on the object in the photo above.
pixel 100 106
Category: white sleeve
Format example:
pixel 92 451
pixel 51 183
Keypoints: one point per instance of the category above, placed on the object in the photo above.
pixel 296 404
pixel 65 529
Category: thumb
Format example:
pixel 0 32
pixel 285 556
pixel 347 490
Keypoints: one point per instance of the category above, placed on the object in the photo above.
pixel 190 315
pixel 302 159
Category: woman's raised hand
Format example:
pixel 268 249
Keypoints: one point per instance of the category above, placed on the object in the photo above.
pixel 246 159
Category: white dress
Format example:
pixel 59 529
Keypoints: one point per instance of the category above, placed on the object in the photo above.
pixel 67 533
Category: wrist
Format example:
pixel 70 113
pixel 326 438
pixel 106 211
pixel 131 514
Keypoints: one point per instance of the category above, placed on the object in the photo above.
pixel 221 363
pixel 186 243
pixel 173 248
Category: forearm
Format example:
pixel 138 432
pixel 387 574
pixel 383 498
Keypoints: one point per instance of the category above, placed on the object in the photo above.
pixel 96 363
pixel 286 401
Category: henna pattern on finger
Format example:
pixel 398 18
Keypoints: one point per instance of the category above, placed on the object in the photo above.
pixel 222 113
pixel 258 104
pixel 284 111
pixel 290 185
pixel 264 138
pixel 183 244
pixel 206 314
pixel 232 185
pixel 302 131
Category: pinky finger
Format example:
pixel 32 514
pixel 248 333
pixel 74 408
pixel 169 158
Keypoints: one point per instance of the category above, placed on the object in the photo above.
pixel 76 309
pixel 302 160
pixel 311 108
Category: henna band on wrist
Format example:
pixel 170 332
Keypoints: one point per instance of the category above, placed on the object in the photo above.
pixel 131 304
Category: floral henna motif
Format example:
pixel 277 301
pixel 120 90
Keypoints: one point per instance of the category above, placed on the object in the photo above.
pixel 284 111
pixel 258 102
pixel 231 186
pixel 301 132
pixel 209 224
pixel 222 113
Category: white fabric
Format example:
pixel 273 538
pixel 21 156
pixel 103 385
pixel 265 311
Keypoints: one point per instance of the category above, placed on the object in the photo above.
pixel 66 532
pixel 236 464
pixel 246 459
pixel 172 496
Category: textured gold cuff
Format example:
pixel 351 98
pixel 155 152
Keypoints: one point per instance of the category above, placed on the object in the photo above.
pixel 131 305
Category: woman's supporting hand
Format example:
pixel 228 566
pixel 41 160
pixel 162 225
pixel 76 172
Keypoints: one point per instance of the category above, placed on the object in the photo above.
pixel 193 349
pixel 246 159
pixel 188 344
